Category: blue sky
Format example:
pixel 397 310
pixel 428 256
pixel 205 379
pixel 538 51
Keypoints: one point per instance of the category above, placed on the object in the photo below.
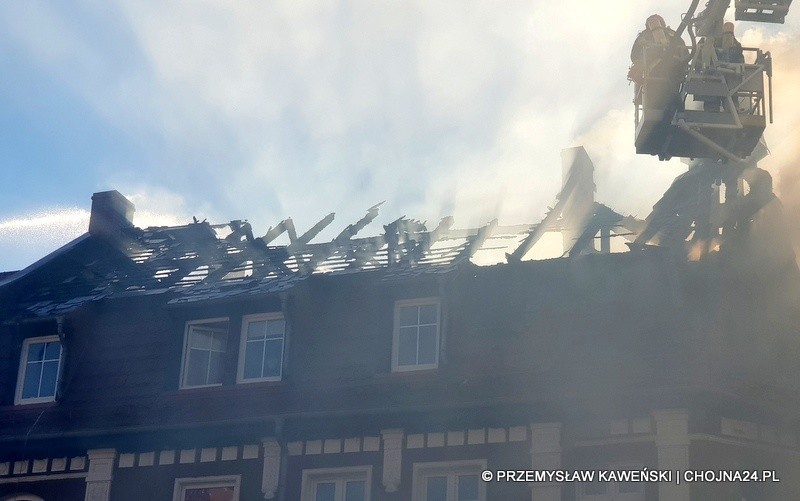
pixel 264 110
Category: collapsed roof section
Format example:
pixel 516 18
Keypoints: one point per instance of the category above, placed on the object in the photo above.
pixel 201 261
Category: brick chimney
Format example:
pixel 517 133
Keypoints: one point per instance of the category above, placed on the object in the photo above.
pixel 111 213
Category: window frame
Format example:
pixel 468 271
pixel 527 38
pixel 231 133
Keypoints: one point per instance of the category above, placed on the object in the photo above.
pixel 448 469
pixel 398 305
pixel 181 484
pixel 255 317
pixel 23 367
pixel 313 476
pixel 185 356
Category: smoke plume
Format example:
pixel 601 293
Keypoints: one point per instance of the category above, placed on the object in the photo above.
pixel 782 135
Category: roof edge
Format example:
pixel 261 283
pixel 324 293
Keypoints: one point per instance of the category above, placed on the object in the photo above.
pixel 43 261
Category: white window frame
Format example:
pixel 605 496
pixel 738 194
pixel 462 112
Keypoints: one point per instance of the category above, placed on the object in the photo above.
pixel 311 477
pixel 243 346
pixel 185 356
pixel 181 484
pixel 23 366
pixel 396 367
pixel 449 469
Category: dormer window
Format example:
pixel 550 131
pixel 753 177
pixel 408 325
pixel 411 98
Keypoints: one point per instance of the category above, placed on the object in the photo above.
pixel 450 480
pixel 415 343
pixel 205 346
pixel 39 370
pixel 261 348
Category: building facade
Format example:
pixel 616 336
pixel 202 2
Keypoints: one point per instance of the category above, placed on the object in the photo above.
pixel 201 363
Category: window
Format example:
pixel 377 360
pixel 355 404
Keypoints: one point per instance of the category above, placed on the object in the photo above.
pixel 449 481
pixel 261 347
pixel 207 489
pixel 39 370
pixel 415 342
pixel 205 345
pixel 337 484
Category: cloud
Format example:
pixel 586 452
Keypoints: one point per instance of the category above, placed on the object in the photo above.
pixel 430 106
pixel 260 111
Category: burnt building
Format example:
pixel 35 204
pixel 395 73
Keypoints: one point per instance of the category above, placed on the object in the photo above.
pixel 201 362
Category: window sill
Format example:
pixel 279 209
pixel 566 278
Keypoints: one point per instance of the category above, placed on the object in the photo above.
pixel 25 406
pixel 259 383
pixel 411 373
pixel 220 389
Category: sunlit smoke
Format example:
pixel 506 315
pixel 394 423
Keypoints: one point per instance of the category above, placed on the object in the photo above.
pixel 782 135
pixel 38 234
pixel 57 219
pixel 158 209
pixel 25 238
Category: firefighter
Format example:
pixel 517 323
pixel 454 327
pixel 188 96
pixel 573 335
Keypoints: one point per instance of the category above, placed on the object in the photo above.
pixel 666 57
pixel 729 50
pixel 656 34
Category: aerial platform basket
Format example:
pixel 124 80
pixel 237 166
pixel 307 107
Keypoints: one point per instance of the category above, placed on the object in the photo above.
pixel 694 134
pixel 718 113
pixel 765 11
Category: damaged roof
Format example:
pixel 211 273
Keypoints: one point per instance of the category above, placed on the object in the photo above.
pixel 201 261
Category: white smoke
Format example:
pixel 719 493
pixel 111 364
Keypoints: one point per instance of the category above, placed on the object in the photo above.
pixel 782 136
pixel 49 228
pixel 266 110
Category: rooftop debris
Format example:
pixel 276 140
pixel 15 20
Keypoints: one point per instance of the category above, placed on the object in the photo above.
pixel 200 261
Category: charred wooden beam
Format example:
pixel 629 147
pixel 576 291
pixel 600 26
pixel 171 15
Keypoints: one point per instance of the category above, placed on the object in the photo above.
pixel 602 220
pixel 314 230
pixel 549 219
pixel 354 228
pixel 391 234
pixel 428 239
pixel 240 229
pixel 677 206
pixel 420 243
pixel 479 239
pixel 444 224
pixel 286 225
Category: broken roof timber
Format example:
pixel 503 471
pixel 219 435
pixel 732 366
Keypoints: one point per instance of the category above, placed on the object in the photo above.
pixel 314 230
pixel 354 228
pixel 428 239
pixel 200 261
pixel 286 225
pixel 483 233
pixel 550 218
pixel 536 233
pixel 602 218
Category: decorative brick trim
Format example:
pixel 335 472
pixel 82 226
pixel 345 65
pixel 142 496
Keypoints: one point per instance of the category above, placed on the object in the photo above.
pixel 42 466
pixel 187 456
